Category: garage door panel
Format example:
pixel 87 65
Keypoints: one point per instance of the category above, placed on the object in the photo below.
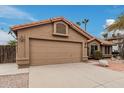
pixel 54 61
pixel 50 52
pixel 55 54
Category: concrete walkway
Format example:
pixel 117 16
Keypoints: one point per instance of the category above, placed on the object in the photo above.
pixel 11 68
pixel 74 75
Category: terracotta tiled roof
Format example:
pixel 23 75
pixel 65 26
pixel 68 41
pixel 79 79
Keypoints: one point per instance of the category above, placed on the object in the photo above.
pixel 74 26
pixel 115 38
pixel 92 39
pixel 71 24
pixel 105 42
pixel 102 42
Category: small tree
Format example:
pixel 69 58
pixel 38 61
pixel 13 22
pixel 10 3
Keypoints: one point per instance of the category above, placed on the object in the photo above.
pixel 12 42
pixel 105 35
pixel 116 26
pixel 85 21
pixel 97 55
pixel 78 23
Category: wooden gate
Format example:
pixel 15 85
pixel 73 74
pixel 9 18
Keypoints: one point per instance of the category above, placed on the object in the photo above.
pixel 7 54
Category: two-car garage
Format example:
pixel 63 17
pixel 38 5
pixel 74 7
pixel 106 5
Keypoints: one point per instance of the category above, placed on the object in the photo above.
pixel 51 41
pixel 50 52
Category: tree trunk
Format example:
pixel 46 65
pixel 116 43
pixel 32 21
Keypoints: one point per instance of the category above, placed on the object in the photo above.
pixel 85 26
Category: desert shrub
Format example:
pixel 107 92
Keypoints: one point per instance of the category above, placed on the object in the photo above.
pixel 97 55
pixel 115 53
pixel 12 42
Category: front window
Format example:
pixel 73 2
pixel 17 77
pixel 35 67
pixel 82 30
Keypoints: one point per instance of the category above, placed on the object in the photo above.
pixel 60 28
pixel 107 49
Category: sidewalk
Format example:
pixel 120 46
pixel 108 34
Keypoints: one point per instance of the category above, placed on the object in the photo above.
pixel 11 68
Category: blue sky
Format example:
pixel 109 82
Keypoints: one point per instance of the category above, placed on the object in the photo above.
pixel 99 16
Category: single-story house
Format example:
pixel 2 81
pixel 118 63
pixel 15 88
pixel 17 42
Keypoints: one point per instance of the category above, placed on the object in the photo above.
pixel 116 40
pixel 55 40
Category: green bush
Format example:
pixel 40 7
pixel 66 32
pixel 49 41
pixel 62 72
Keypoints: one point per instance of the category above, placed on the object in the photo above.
pixel 97 55
pixel 12 42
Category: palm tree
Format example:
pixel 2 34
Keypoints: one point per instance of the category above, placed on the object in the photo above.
pixel 85 21
pixel 118 25
pixel 105 35
pixel 78 23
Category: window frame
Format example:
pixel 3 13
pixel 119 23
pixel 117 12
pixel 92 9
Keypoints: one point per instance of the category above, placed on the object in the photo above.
pixel 60 34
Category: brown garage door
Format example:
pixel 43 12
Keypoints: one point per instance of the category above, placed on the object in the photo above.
pixel 51 52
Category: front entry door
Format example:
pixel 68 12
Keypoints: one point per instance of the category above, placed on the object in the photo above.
pixel 93 49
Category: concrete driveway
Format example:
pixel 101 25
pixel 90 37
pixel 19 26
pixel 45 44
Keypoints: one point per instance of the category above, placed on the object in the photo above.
pixel 74 75
pixel 11 68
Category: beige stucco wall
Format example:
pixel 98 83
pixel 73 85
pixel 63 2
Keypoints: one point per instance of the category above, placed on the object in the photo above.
pixel 44 32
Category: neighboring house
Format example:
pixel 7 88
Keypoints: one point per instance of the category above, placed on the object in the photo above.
pixel 115 41
pixel 51 41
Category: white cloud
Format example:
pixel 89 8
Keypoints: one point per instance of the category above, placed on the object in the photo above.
pixel 5 37
pixel 111 21
pixel 104 32
pixel 10 12
pixel 108 22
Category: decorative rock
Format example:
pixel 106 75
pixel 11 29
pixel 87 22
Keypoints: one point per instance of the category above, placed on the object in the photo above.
pixel 103 63
pixel 118 57
pixel 113 59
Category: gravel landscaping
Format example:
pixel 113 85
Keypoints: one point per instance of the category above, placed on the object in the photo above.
pixel 14 81
pixel 116 65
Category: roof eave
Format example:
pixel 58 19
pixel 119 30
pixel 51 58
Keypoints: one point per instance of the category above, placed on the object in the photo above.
pixel 74 26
